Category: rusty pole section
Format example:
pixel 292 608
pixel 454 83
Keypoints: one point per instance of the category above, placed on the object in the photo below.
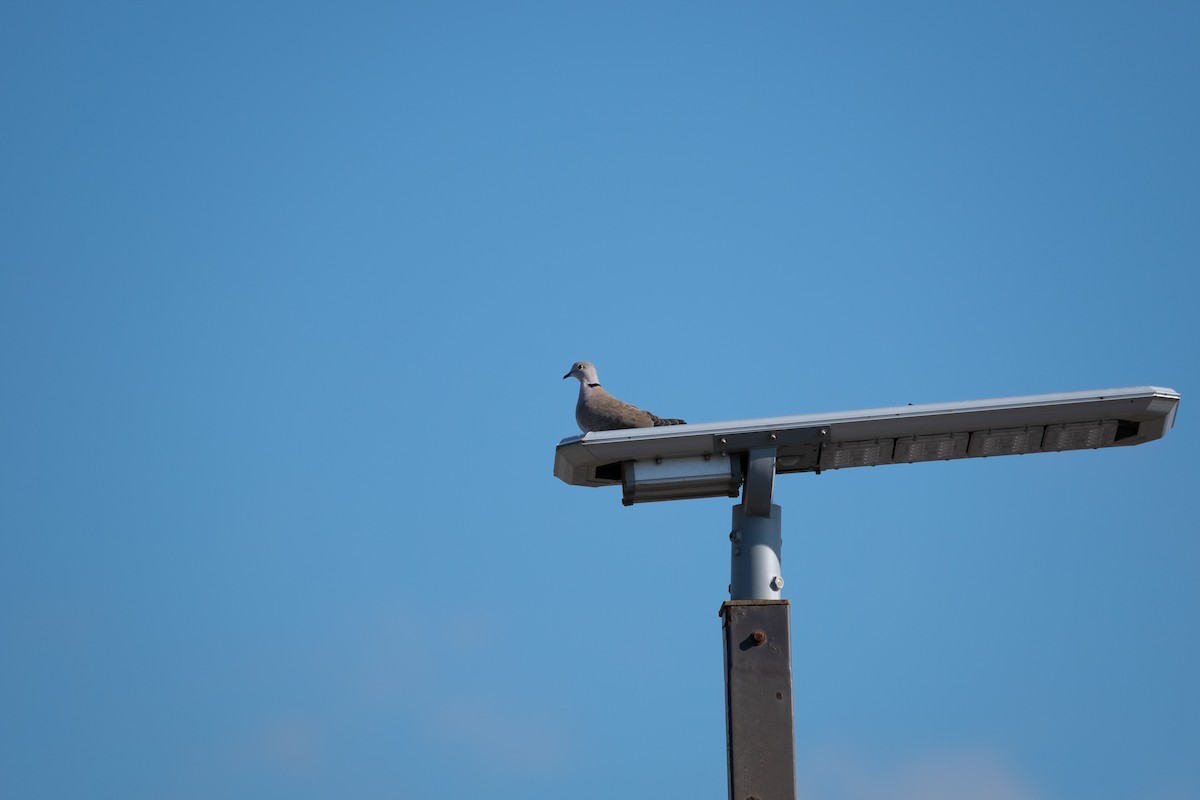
pixel 758 699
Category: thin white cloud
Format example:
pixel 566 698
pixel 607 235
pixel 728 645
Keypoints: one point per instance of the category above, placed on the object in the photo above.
pixel 510 740
pixel 285 744
pixel 977 773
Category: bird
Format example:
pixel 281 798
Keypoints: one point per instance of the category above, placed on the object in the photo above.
pixel 597 410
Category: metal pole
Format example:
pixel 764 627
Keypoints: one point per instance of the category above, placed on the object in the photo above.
pixel 758 663
pixel 755 572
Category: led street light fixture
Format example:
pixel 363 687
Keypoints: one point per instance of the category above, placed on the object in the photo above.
pixel 1080 436
pixel 839 455
pixel 1009 442
pixel 710 459
pixel 943 447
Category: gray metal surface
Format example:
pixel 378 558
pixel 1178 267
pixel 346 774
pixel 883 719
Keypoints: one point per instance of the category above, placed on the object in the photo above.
pixel 758 700
pixel 760 481
pixel 813 442
pixel 755 555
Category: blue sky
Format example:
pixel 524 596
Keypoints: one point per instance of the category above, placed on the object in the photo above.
pixel 286 292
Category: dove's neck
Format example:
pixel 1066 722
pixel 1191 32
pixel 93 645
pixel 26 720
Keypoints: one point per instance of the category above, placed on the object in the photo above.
pixel 586 388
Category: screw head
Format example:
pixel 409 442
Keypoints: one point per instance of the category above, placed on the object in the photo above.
pixel 759 636
pixel 777 583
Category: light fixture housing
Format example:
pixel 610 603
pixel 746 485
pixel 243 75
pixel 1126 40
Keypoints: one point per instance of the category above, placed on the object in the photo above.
pixel 709 459
pixel 651 480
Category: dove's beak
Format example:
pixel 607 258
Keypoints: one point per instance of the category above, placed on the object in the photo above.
pixel 566 376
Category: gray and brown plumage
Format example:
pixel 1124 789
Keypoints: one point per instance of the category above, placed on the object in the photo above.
pixel 597 410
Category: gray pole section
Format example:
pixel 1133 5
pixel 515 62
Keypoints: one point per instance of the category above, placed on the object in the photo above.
pixel 756 542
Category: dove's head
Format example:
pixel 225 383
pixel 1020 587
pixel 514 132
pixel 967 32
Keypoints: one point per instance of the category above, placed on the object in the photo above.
pixel 584 371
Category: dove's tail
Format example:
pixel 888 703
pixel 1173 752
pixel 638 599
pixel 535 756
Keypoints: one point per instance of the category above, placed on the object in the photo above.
pixel 660 421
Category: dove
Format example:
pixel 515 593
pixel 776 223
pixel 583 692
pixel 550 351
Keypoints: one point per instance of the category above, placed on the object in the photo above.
pixel 597 410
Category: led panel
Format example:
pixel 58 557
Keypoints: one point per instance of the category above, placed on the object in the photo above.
pixel 940 447
pixel 1005 442
pixel 857 454
pixel 1080 435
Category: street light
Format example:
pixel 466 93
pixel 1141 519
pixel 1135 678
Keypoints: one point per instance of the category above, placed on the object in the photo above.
pixel 716 459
